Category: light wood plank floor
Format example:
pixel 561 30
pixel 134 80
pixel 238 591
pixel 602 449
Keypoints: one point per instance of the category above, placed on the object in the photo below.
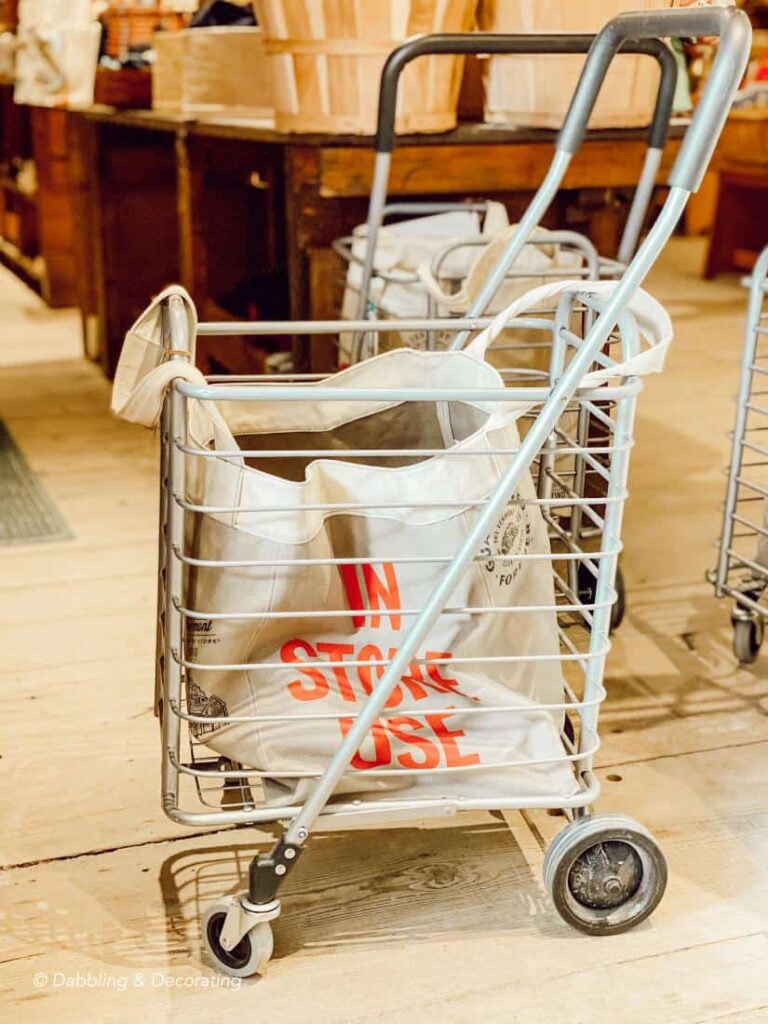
pixel 444 924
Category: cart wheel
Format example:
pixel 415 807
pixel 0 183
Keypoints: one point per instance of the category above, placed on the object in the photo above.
pixel 569 730
pixel 620 604
pixel 252 953
pixel 587 587
pixel 747 639
pixel 605 873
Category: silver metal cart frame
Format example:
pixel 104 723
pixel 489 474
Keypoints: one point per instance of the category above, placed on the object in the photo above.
pixel 605 872
pixel 582 581
pixel 739 575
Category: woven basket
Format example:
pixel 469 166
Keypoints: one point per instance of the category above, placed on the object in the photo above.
pixel 129 27
pixel 212 71
pixel 535 91
pixel 327 57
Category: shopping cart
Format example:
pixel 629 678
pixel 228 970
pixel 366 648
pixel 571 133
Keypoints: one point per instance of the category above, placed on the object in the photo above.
pixel 585 261
pixel 605 872
pixel 489 43
pixel 742 567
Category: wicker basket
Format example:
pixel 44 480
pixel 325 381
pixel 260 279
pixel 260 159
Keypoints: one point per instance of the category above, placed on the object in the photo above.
pixel 535 91
pixel 327 57
pixel 212 71
pixel 133 27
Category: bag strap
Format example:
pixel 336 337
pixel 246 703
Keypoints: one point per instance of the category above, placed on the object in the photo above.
pixel 653 322
pixel 460 301
pixel 147 369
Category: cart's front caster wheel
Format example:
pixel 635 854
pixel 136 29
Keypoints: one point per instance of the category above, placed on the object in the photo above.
pixel 605 873
pixel 249 956
pixel 747 639
pixel 588 586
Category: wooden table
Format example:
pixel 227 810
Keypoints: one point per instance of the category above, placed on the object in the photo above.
pixel 244 216
pixel 740 223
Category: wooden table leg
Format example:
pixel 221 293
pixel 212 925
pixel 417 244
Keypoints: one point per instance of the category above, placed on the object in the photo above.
pixel 85 185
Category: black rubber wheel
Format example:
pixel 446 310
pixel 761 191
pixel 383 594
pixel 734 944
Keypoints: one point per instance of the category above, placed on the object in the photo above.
pixel 605 874
pixel 747 639
pixel 251 954
pixel 620 604
pixel 588 585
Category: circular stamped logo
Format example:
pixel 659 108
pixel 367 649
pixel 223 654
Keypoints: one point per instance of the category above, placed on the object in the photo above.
pixel 510 538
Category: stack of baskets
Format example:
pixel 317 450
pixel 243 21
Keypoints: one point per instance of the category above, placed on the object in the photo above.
pixel 536 91
pixel 326 60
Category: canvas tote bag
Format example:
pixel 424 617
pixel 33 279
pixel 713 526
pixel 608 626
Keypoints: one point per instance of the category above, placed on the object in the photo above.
pixel 335 624
pixel 406 249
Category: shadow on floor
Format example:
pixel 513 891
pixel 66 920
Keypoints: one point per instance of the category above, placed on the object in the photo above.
pixel 370 887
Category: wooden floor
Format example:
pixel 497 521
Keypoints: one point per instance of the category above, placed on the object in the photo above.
pixel 443 924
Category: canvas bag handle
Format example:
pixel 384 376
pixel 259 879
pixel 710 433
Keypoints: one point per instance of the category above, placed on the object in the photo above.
pixel 460 301
pixel 653 322
pixel 146 369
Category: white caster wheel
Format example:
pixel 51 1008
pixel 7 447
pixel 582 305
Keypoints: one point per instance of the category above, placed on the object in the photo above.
pixel 747 639
pixel 605 873
pixel 249 956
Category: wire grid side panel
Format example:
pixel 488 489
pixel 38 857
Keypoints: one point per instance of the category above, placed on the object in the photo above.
pixel 748 552
pixel 274 674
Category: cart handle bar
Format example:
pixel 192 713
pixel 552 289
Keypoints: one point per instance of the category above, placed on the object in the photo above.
pixel 733 28
pixel 494 43
pixel 730 24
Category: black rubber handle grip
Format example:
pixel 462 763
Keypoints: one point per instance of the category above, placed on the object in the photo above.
pixel 492 43
pixel 733 28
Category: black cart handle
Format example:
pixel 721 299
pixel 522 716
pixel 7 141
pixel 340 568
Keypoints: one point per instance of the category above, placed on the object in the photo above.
pixel 493 43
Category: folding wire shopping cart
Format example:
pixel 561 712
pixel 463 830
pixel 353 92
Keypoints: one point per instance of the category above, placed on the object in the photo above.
pixel 742 567
pixel 367 609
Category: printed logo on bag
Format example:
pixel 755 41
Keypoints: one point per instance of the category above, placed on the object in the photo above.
pixel 510 538
pixel 348 671
pixel 199 633
pixel 198 626
pixel 202 705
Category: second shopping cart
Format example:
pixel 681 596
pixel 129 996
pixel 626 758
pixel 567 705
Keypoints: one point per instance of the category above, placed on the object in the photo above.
pixel 741 573
pixel 385 278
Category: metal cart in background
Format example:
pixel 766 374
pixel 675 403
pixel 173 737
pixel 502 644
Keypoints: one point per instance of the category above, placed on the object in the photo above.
pixel 604 872
pixel 489 43
pixel 589 264
pixel 742 566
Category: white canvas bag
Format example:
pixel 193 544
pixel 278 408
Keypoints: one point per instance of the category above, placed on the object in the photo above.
pixel 375 597
pixel 356 614
pixel 405 250
pixel 58 50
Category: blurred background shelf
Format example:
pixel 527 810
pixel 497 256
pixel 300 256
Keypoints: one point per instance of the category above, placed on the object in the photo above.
pixel 36 224
pixel 28 269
